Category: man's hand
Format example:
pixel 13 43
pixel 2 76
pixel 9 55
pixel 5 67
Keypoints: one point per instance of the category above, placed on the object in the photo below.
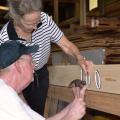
pixel 77 107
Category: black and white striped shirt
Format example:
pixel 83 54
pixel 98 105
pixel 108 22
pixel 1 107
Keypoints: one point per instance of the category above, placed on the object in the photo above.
pixel 45 34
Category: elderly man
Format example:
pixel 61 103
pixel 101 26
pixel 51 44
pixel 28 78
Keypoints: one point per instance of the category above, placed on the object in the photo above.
pixel 16 73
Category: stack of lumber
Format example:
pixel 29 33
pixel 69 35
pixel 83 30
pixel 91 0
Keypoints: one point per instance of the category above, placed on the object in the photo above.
pixel 111 8
pixel 102 23
pixel 87 38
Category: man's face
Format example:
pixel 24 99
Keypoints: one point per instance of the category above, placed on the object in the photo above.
pixel 27 70
pixel 30 21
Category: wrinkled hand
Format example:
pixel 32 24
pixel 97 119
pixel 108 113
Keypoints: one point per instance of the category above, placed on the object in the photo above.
pixel 79 92
pixel 77 87
pixel 78 107
pixel 86 65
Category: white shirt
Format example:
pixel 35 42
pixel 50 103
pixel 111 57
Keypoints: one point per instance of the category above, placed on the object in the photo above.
pixel 12 107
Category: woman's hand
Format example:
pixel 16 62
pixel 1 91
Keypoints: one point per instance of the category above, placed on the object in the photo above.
pixel 86 65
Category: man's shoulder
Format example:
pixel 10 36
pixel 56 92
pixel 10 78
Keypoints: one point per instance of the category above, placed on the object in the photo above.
pixel 6 91
pixel 2 85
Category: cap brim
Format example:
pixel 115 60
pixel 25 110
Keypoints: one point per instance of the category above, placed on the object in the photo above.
pixel 32 49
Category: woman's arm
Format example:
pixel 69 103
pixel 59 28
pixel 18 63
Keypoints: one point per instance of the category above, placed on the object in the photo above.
pixel 71 49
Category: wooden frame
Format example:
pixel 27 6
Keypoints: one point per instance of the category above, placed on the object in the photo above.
pixel 62 75
pixel 109 103
pixel 106 99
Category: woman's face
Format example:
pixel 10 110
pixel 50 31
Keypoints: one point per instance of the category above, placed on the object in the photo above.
pixel 30 21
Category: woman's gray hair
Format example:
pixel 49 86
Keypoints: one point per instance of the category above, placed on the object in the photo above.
pixel 18 8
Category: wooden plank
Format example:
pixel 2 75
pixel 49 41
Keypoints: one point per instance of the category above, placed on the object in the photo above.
pixel 101 6
pixel 82 12
pixel 63 1
pixel 109 103
pixel 56 12
pixel 62 75
pixel 77 9
pixel 47 107
pixel 68 21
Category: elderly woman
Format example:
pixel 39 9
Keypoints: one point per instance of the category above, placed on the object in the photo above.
pixel 30 26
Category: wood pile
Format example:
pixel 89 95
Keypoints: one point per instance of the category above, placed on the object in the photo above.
pixel 111 8
pixel 104 23
pixel 87 38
